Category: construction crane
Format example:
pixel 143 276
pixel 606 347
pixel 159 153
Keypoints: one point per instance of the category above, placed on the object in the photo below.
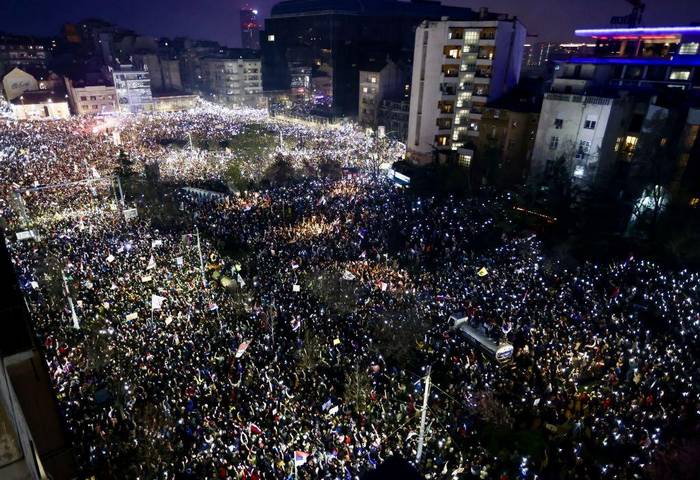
pixel 634 19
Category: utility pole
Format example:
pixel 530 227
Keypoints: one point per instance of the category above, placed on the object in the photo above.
pixel 76 325
pixel 121 192
pixel 421 437
pixel 201 260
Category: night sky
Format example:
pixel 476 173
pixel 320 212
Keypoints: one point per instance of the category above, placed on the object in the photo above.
pixel 218 19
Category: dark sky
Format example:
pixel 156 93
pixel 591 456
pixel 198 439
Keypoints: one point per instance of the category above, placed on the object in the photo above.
pixel 218 19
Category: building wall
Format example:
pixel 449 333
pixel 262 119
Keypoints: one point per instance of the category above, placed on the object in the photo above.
pixel 374 88
pixel 92 99
pixel 175 103
pixel 133 89
pixel 233 81
pixel 611 116
pixel 171 75
pixel 17 82
pixel 49 110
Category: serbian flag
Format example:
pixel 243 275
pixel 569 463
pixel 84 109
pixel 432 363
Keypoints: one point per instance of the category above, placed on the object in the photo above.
pixel 242 348
pixel 253 428
pixel 300 457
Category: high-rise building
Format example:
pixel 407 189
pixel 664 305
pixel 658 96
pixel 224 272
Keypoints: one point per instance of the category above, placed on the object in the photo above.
pixel 250 28
pixel 379 79
pixel 458 67
pixel 334 37
pixel 22 52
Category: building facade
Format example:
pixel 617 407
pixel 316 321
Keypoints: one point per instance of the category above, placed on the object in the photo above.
pixel 602 109
pixel 378 80
pixel 458 68
pixel 22 52
pixel 133 89
pixel 233 81
pixel 40 105
pixel 393 115
pixel 91 99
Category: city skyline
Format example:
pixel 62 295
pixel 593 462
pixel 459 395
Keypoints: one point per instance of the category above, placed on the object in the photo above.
pixel 218 20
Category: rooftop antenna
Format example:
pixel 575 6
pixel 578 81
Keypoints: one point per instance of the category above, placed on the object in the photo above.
pixel 634 19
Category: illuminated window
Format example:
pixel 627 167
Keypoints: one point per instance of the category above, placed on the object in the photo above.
pixel 373 79
pixel 365 89
pixel 677 74
pixel 584 147
pixel 441 140
pixel 579 171
pixel 471 38
pixel 270 38
pixel 465 159
pixel 694 202
pixel 689 48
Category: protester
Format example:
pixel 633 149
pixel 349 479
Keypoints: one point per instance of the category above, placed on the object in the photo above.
pixel 266 356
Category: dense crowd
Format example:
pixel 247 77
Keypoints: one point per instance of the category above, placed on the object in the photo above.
pixel 310 319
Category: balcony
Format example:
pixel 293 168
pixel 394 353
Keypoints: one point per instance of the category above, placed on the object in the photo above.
pixel 484 61
pixel 479 98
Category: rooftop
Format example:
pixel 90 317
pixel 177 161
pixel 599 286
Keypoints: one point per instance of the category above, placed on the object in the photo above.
pixel 638 32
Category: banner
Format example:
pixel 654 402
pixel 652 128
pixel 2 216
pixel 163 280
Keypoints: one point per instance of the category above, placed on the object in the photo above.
pixel 156 302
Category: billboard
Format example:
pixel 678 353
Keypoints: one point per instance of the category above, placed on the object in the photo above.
pixel 133 91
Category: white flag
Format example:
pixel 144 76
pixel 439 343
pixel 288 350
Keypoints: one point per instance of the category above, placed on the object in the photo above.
pixel 242 348
pixel 296 288
pixel 151 263
pixel 156 302
pixel 347 275
pixel 132 316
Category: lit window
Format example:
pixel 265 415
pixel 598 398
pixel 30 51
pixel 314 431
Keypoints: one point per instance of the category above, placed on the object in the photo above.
pixel 270 38
pixel 679 74
pixel 373 79
pixel 579 171
pixel 689 48
pixel 465 159
pixel 694 202
pixel 365 89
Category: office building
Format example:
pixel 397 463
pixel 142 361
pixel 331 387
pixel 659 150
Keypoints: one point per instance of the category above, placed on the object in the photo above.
pixel 458 67
pixel 133 87
pixel 233 81
pixel 250 28
pixel 335 37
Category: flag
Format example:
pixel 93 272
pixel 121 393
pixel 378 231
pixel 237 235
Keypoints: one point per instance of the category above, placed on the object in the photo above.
pixel 296 288
pixel 483 272
pixel 213 306
pixel 132 316
pixel 253 428
pixel 169 320
pixel 300 458
pixel 347 275
pixel 333 410
pixel 242 348
pixel 156 302
pixel 110 259
pixel 146 278
pixel 240 280
pixel 326 405
pixel 151 263
pixel 336 342
pixel 295 265
pixel 384 287
pixel 179 261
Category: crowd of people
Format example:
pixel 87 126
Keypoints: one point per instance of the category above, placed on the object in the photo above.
pixel 288 332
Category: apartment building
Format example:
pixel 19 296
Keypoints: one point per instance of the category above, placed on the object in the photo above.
pixel 133 87
pixel 233 81
pixel 458 67
pixel 88 99
pixel 378 80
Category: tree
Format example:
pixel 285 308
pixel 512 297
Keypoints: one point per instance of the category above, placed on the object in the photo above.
pixel 281 171
pixel 311 352
pixel 358 387
pixel 234 177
